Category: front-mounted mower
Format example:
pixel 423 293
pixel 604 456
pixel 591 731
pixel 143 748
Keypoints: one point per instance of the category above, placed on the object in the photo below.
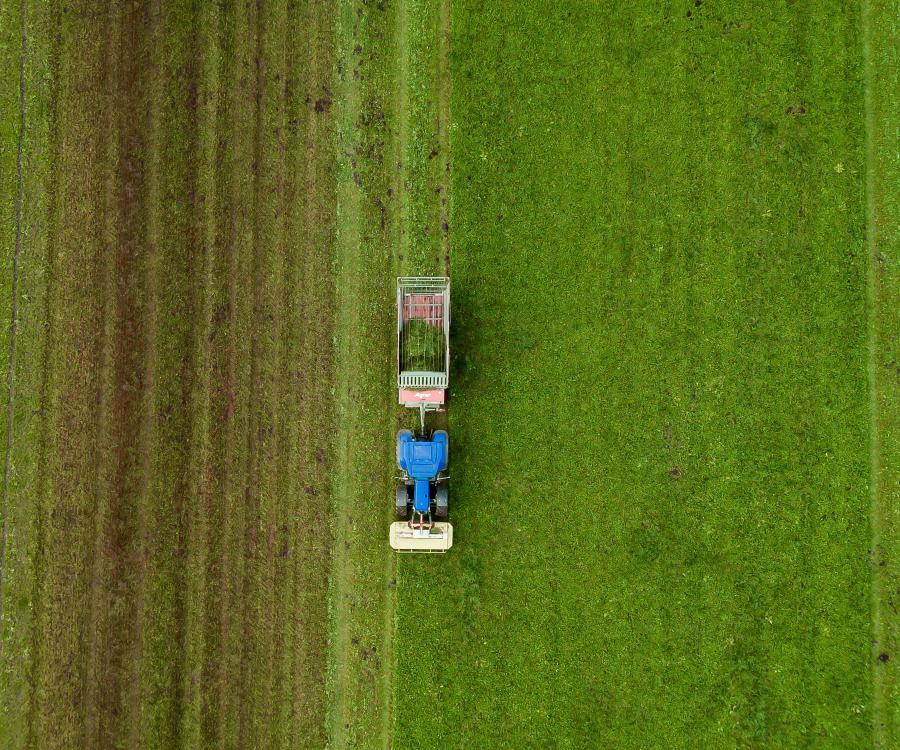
pixel 423 372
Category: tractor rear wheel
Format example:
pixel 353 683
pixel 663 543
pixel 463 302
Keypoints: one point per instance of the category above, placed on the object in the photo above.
pixel 401 507
pixel 441 498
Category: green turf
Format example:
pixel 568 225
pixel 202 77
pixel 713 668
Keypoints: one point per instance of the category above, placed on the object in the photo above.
pixel 659 410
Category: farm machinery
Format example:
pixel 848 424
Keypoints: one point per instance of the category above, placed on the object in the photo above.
pixel 423 373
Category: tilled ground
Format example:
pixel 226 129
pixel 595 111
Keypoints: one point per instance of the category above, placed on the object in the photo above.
pixel 165 580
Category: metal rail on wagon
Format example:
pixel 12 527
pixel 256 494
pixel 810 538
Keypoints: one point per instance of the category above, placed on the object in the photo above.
pixel 423 349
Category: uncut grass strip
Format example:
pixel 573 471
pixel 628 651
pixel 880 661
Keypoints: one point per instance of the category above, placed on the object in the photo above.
pixel 628 306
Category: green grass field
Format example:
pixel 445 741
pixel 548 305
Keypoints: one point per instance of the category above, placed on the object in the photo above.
pixel 660 414
pixel 674 241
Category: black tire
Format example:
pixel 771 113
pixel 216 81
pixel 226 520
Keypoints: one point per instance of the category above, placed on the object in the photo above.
pixel 441 501
pixel 401 503
pixel 401 432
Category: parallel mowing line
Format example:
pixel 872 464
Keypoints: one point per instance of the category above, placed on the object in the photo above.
pixel 251 469
pixel 289 463
pixel 210 494
pixel 219 602
pixel 316 358
pixel 288 636
pixel 347 244
pixel 104 469
pixel 123 578
pixel 269 318
pixel 33 714
pixel 13 324
pixel 233 604
pixel 278 603
pixel 152 214
pixel 881 708
pixel 205 74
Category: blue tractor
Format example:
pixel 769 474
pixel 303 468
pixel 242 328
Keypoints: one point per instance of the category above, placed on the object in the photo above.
pixel 422 494
pixel 423 373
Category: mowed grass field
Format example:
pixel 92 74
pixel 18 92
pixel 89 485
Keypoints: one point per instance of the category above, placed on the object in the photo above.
pixel 661 412
pixel 165 551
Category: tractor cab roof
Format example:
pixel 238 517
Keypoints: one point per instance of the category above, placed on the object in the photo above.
pixel 423 459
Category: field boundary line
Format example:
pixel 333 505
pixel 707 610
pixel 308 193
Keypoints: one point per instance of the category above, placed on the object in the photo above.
pixel 152 218
pixel 14 311
pixel 881 518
